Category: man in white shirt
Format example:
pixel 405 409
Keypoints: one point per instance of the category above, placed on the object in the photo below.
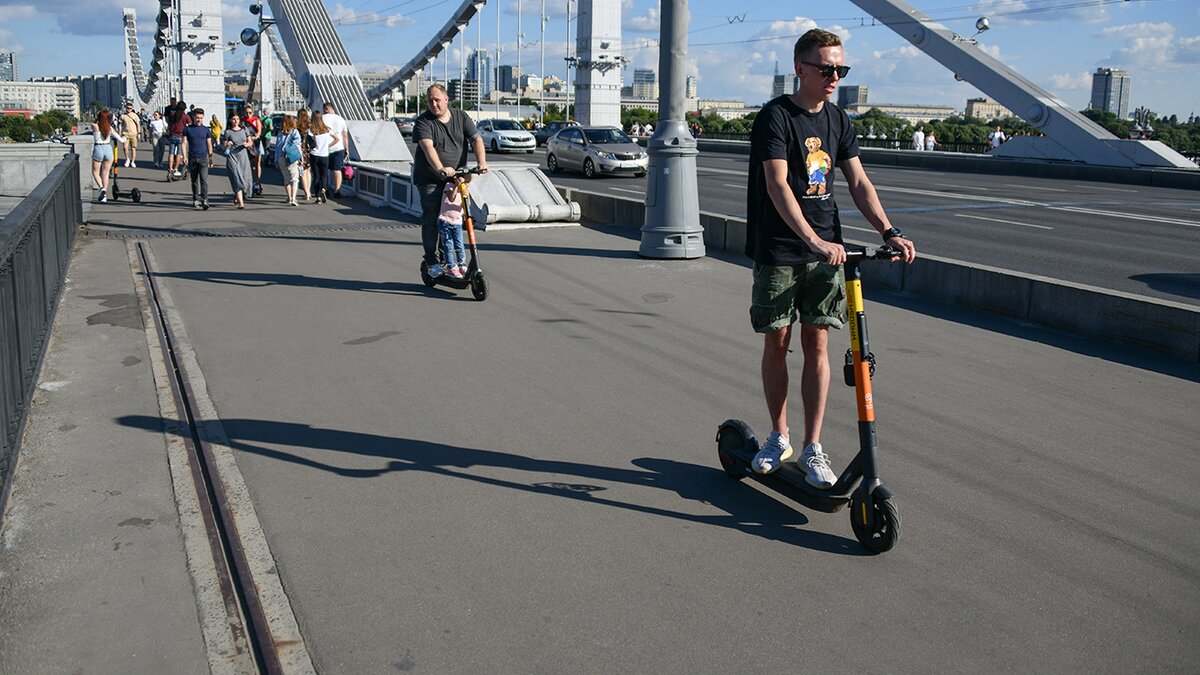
pixel 997 137
pixel 919 138
pixel 337 149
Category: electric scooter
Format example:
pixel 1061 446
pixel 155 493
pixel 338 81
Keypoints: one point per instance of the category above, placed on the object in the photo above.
pixel 474 277
pixel 874 516
pixel 134 194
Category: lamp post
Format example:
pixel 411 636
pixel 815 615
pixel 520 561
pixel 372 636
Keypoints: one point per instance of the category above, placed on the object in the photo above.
pixel 672 228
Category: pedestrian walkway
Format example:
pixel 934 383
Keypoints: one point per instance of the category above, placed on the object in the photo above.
pixel 530 484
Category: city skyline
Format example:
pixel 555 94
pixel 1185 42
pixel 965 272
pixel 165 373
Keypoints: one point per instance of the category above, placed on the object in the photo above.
pixel 733 44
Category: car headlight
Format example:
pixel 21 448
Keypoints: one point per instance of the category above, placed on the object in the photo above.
pixel 643 155
pixel 601 153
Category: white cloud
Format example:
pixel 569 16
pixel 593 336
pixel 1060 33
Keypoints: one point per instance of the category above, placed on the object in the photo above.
pixel 650 22
pixel 16 12
pixel 1070 81
pixel 1137 30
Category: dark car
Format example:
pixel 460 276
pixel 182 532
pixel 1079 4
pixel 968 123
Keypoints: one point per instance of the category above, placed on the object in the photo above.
pixel 596 151
pixel 542 135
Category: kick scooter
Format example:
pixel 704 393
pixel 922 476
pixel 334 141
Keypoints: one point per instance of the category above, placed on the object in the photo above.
pixel 474 277
pixel 874 516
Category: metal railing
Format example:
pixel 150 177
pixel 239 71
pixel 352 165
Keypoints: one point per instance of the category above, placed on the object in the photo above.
pixel 35 248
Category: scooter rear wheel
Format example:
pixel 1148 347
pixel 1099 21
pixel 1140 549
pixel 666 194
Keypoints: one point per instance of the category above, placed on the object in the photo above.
pixel 425 278
pixel 881 534
pixel 136 195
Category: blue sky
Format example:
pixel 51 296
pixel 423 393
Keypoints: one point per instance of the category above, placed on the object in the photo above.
pixel 734 43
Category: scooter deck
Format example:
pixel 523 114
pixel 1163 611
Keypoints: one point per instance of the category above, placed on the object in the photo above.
pixel 737 445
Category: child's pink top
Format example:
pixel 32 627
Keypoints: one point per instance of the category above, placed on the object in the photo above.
pixel 452 207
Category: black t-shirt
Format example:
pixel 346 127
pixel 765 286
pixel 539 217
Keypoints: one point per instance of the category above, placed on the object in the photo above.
pixel 813 144
pixel 450 141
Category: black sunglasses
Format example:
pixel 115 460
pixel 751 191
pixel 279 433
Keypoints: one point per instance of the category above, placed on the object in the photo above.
pixel 828 71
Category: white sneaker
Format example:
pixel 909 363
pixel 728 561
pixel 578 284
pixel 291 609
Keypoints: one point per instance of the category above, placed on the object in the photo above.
pixel 133 165
pixel 816 467
pixel 772 455
pixel 126 163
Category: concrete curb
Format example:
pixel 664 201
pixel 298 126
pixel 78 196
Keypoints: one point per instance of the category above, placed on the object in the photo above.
pixel 1186 179
pixel 1160 325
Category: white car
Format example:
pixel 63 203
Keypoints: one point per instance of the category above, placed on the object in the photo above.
pixel 505 136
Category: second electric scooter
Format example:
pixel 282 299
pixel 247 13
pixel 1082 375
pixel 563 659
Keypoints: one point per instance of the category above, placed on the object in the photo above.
pixel 874 516
pixel 474 278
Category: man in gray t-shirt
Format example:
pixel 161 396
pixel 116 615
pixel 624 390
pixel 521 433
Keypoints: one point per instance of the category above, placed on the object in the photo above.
pixel 442 135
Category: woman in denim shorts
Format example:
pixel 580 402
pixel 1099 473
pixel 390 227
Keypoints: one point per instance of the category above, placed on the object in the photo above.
pixel 103 134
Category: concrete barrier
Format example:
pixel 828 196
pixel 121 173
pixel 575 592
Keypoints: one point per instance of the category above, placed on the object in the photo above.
pixel 957 162
pixel 1161 325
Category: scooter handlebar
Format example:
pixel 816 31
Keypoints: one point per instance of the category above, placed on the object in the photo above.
pixel 884 252
pixel 459 173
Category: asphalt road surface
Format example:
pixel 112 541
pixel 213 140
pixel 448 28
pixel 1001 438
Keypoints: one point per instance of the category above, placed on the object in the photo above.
pixel 530 484
pixel 1121 237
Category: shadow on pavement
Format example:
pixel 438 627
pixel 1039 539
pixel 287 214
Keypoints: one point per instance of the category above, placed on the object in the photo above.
pixel 261 280
pixel 1181 284
pixel 745 509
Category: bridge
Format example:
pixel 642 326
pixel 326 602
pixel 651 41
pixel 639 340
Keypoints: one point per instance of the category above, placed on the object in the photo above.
pixel 253 440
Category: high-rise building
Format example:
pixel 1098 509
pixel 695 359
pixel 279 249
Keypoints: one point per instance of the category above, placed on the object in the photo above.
pixel 1110 91
pixel 645 84
pixel 106 90
pixel 479 68
pixel 508 79
pixel 784 84
pixel 851 94
pixel 8 67
pixel 690 89
pixel 464 90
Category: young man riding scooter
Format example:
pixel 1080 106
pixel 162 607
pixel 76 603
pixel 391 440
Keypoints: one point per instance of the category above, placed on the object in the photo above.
pixel 794 236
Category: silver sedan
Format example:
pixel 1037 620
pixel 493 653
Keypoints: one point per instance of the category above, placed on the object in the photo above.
pixel 596 151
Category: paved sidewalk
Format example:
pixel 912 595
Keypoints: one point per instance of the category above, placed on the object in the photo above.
pixel 93 576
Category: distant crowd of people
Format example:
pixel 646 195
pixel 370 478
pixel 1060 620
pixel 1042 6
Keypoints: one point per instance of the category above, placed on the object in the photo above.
pixel 310 149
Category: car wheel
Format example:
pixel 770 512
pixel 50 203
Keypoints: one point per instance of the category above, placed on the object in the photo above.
pixel 589 169
pixel 552 163
pixel 640 174
pixel 495 146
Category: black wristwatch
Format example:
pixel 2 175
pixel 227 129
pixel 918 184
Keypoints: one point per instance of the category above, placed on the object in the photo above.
pixel 891 232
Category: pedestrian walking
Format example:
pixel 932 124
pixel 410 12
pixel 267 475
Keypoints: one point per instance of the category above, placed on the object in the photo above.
pixel 131 130
pixel 930 141
pixel 997 137
pixel 919 138
pixel 321 142
pixel 158 135
pixel 304 127
pixel 235 144
pixel 198 148
pixel 289 157
pixel 254 125
pixel 175 125
pixel 104 135
pixel 341 143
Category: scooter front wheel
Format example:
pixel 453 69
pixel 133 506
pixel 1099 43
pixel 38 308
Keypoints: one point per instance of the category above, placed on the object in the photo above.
pixel 875 521
pixel 479 286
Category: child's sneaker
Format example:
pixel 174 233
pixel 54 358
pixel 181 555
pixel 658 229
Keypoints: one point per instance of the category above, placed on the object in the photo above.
pixel 772 455
pixel 456 272
pixel 816 467
pixel 462 269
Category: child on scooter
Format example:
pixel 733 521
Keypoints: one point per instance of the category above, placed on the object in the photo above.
pixel 450 220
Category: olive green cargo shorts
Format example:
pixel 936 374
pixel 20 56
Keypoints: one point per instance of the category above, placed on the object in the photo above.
pixel 812 293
